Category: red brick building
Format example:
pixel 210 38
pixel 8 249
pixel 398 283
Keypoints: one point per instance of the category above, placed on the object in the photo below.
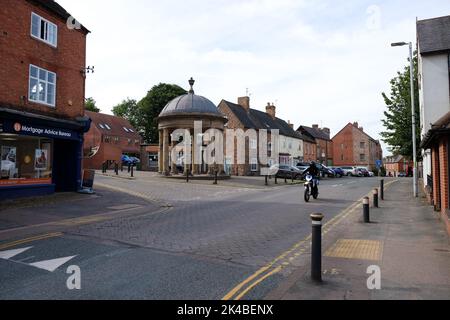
pixel 323 152
pixel 438 141
pixel 108 139
pixel 354 147
pixel 41 98
pixel 398 164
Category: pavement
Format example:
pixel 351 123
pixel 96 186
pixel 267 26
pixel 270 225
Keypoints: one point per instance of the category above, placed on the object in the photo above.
pixel 405 242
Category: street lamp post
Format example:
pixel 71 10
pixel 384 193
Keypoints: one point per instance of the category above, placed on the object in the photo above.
pixel 413 111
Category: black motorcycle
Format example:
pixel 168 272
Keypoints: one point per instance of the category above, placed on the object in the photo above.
pixel 311 188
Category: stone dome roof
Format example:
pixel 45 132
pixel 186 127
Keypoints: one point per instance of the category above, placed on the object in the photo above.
pixel 190 104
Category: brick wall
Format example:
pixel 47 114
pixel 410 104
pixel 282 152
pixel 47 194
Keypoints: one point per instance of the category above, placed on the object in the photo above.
pixel 443 163
pixel 343 147
pixel 436 183
pixel 18 50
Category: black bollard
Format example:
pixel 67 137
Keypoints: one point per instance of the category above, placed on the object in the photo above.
pixel 187 176
pixel 132 171
pixel 215 177
pixel 266 178
pixel 276 179
pixel 375 198
pixel 382 189
pixel 366 209
pixel 292 176
pixel 116 169
pixel 316 247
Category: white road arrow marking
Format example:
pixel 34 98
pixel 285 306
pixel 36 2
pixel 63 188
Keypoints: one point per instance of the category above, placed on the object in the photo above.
pixel 51 265
pixel 12 253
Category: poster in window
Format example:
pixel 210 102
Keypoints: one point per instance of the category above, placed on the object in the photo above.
pixel 41 162
pixel 8 158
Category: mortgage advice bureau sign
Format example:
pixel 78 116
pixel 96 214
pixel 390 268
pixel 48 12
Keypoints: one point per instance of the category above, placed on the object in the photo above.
pixel 40 131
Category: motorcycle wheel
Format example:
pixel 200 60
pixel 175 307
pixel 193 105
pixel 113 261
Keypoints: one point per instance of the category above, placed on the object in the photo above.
pixel 316 194
pixel 307 195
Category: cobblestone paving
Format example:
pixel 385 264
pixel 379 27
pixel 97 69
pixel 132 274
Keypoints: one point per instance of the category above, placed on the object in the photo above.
pixel 239 225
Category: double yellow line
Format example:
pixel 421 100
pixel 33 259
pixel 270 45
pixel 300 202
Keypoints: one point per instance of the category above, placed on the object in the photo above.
pixel 277 265
pixel 28 240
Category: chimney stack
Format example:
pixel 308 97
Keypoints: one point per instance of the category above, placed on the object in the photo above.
pixel 244 102
pixel 290 124
pixel 356 124
pixel 327 131
pixel 271 110
pixel 315 126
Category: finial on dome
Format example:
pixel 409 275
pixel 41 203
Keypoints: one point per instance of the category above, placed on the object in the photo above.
pixel 191 83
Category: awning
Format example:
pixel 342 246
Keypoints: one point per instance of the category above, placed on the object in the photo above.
pixel 439 129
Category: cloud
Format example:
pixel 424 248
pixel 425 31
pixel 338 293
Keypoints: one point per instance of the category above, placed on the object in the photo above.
pixel 322 61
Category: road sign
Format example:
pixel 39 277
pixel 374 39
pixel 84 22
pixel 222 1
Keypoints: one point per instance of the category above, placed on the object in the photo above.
pixel 379 164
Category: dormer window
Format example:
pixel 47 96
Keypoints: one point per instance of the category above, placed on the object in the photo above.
pixel 107 127
pixel 126 130
pixel 44 30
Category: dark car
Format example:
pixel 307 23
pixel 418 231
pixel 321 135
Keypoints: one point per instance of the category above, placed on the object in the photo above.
pixel 339 172
pixel 363 172
pixel 285 171
pixel 325 171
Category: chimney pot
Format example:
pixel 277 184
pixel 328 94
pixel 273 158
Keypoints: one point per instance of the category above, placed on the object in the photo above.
pixel 244 102
pixel 271 110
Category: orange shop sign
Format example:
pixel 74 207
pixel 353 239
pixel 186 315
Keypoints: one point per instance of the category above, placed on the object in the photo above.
pixel 24 182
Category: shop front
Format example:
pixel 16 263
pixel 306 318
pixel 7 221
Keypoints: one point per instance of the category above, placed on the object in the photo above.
pixel 39 155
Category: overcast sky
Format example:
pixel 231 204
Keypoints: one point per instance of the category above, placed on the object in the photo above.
pixel 321 62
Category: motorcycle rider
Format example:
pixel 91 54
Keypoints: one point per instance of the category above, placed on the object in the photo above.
pixel 314 171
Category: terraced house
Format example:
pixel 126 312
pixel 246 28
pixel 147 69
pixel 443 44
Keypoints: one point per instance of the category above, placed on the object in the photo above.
pixel 322 149
pixel 42 87
pixel 241 116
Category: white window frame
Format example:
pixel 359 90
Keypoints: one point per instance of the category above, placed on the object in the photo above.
pixel 46 82
pixel 108 127
pixel 126 130
pixel 253 144
pixel 254 164
pixel 48 24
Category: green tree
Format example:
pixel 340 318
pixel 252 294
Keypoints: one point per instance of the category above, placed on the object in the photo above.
pixel 151 106
pixel 90 105
pixel 398 118
pixel 129 110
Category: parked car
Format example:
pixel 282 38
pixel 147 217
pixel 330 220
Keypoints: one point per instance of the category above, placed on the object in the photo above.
pixel 285 171
pixel 371 174
pixel 326 172
pixel 126 160
pixel 339 172
pixel 402 175
pixel 350 171
pixel 363 172
pixel 302 166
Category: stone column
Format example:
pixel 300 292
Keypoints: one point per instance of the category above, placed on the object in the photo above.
pixel 173 160
pixel 166 151
pixel 160 154
pixel 195 166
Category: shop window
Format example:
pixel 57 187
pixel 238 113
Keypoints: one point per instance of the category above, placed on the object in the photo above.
pixel 44 30
pixel 25 160
pixel 42 86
